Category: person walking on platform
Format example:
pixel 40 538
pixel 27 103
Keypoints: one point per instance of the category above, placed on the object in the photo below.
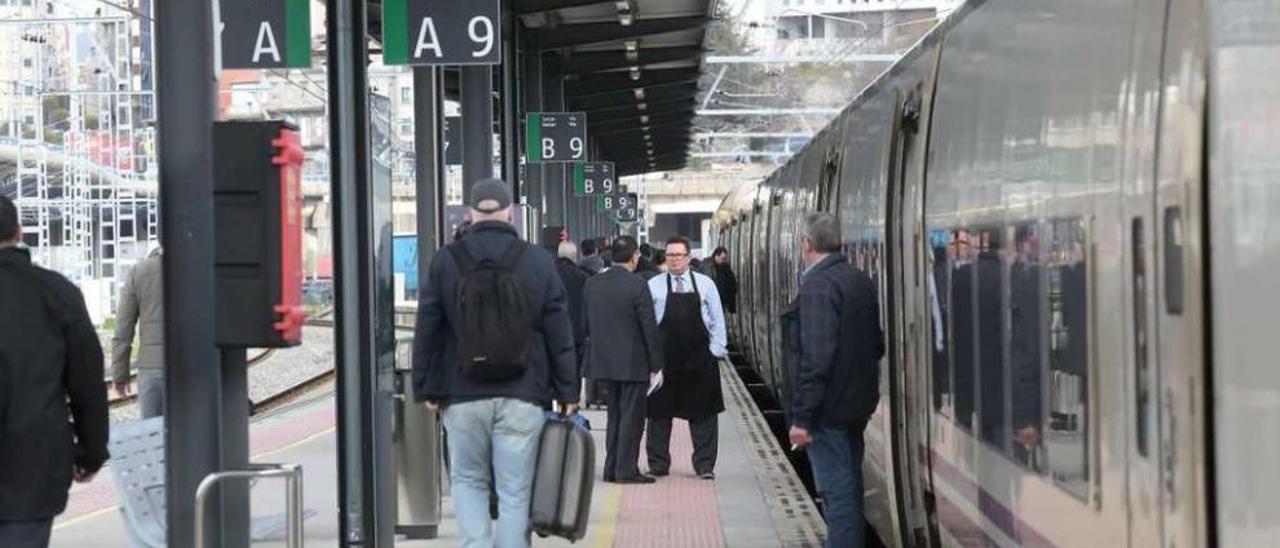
pixel 141 307
pixel 493 346
pixel 833 343
pixel 628 357
pixel 691 321
pixel 726 280
pixel 591 259
pixel 574 278
pixel 53 405
pixel 645 269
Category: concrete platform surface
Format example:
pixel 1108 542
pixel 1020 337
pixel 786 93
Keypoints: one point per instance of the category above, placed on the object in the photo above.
pixel 756 500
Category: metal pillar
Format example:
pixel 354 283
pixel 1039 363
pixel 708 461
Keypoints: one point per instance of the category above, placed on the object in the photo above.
pixel 362 290
pixel 429 168
pixel 510 100
pixel 535 174
pixel 235 445
pixel 186 104
pixel 477 126
pixel 558 212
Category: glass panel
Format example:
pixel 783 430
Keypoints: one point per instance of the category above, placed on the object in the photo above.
pixel 1066 437
pixel 963 291
pixel 992 377
pixel 1026 336
pixel 940 309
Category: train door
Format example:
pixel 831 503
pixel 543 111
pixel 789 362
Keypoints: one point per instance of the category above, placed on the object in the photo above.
pixel 906 305
pixel 1179 275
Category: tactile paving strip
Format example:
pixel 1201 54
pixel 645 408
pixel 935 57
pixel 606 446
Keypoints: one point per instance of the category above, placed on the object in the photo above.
pixel 795 516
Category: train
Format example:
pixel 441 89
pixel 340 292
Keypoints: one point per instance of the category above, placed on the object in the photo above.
pixel 1072 213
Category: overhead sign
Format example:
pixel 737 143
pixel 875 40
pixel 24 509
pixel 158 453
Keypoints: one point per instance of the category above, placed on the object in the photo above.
pixel 593 178
pixel 265 34
pixel 556 137
pixel 628 215
pixel 441 32
pixel 606 203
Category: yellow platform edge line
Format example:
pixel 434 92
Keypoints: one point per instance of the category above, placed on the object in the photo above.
pixel 609 508
pixel 112 508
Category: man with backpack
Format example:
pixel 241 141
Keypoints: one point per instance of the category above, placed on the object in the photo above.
pixel 494 345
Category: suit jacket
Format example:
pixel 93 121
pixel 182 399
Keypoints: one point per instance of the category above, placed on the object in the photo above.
pixel 141 306
pixel 622 330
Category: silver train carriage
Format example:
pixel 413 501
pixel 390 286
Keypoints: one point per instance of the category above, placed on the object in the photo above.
pixel 1072 211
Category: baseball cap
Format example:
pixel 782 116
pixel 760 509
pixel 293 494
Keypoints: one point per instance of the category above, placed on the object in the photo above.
pixel 490 195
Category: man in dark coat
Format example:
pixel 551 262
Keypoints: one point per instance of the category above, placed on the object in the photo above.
pixel 53 403
pixel 575 279
pixel 645 269
pixel 627 356
pixel 591 259
pixel 833 343
pixel 691 321
pixel 494 424
pixel 726 280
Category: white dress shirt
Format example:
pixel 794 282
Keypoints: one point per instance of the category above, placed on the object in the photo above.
pixel 712 311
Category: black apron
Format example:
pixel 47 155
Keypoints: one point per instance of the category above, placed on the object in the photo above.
pixel 691 375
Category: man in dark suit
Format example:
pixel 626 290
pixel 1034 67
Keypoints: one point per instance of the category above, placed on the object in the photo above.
pixel 623 352
pixel 833 342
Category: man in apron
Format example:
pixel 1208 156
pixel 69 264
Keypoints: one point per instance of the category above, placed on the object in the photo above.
pixel 691 322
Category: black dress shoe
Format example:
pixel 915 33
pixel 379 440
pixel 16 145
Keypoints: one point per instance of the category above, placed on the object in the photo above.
pixel 659 473
pixel 707 475
pixel 638 479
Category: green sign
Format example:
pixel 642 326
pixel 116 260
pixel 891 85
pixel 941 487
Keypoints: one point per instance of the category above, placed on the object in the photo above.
pixel 441 32
pixel 593 179
pixel 265 34
pixel 556 137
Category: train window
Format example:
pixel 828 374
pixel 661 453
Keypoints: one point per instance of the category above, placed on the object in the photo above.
pixel 1066 434
pixel 940 307
pixel 964 320
pixel 1027 331
pixel 1173 272
pixel 992 376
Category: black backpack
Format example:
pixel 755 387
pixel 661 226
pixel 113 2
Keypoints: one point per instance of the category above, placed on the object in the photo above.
pixel 497 315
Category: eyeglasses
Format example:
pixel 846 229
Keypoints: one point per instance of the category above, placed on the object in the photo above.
pixel 677 255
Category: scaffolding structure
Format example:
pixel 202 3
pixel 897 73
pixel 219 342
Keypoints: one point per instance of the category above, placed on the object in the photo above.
pixel 75 153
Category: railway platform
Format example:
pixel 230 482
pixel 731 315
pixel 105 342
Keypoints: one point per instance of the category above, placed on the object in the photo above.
pixel 756 501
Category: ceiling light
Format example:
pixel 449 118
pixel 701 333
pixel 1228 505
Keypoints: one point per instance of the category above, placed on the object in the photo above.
pixel 642 106
pixel 639 93
pixel 633 50
pixel 626 13
pixel 635 73
pixel 644 118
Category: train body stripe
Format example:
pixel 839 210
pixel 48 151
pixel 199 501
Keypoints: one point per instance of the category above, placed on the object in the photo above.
pixel 987 504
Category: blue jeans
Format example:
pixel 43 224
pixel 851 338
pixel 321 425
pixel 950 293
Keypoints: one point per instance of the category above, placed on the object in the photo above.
pixel 836 458
pixel 498 434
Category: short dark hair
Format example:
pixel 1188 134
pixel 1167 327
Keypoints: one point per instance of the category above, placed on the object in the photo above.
pixel 623 249
pixel 10 226
pixel 718 251
pixel 588 247
pixel 646 250
pixel 688 246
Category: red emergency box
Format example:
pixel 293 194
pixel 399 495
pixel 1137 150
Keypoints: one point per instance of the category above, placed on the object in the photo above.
pixel 258 234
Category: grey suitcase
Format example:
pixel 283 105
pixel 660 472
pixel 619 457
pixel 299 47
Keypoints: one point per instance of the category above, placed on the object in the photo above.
pixel 564 478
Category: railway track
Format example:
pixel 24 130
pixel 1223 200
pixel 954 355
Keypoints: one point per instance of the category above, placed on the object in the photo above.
pixel 287 395
pixel 121 401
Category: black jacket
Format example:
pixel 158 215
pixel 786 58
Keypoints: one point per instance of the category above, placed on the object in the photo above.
pixel 727 285
pixel 53 402
pixel 552 371
pixel 574 278
pixel 833 342
pixel 623 343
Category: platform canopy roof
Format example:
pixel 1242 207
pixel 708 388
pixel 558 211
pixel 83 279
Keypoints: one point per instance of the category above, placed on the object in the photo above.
pixel 632 65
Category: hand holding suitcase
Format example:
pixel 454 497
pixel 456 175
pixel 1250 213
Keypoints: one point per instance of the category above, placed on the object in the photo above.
pixel 564 478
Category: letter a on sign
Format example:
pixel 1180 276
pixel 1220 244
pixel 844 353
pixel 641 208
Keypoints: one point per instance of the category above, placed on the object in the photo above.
pixel 427 39
pixel 266 44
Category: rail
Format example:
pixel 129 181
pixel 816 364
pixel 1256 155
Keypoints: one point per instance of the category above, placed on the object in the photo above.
pixel 292 473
